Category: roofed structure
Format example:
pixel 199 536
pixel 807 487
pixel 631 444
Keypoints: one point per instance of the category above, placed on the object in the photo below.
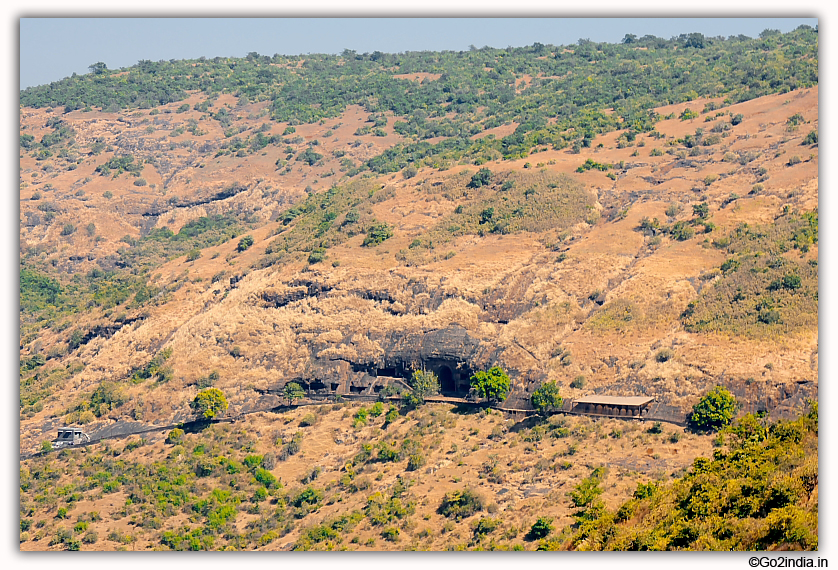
pixel 614 406
pixel 70 436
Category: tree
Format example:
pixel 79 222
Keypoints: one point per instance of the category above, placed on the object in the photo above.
pixel 481 177
pixel 714 411
pixel 486 215
pixel 701 211
pixel 293 391
pixel 309 156
pixel 377 233
pixel 423 384
pixel 546 398
pixel 98 68
pixel 209 403
pixel 493 384
pixel 588 490
pixel 695 40
pixel 459 504
pixel 175 436
pixel 540 529
pixel 245 243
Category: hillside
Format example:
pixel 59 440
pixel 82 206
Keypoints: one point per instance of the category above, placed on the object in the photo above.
pixel 628 219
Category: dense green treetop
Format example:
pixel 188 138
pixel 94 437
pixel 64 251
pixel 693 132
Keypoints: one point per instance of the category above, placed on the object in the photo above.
pixel 714 411
pixel 209 403
pixel 493 384
pixel 546 398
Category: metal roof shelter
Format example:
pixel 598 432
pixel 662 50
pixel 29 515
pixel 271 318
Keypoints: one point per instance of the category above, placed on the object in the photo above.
pixel 614 406
pixel 71 435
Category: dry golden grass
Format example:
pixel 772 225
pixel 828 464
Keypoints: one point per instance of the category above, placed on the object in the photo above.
pixel 522 472
pixel 203 321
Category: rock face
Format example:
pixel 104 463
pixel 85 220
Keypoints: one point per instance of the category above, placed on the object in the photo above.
pixel 451 353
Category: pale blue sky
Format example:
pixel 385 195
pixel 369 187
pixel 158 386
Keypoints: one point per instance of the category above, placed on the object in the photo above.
pixel 54 48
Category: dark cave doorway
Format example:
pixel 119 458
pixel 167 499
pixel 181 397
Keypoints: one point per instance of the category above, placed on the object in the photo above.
pixel 446 380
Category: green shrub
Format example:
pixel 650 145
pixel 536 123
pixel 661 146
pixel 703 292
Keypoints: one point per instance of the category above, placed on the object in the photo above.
pixel 682 231
pixel 307 496
pixel 540 529
pixel 392 415
pixel 390 534
pixel 245 243
pixel 265 477
pixel 377 233
pixel 811 138
pixel 316 256
pixel 546 397
pixel 481 177
pixel 486 525
pixel 578 382
pixel 688 114
pixel 714 411
pixel 292 447
pixel 584 494
pixel 493 384
pixel 423 384
pixel 656 428
pixel 175 436
pixel 416 461
pixel 794 121
pixel 645 490
pixel 209 403
pixel 252 461
pixel 460 504
pixel 361 416
pixel 293 391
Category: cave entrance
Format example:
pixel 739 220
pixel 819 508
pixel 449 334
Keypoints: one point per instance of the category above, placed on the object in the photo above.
pixel 446 380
